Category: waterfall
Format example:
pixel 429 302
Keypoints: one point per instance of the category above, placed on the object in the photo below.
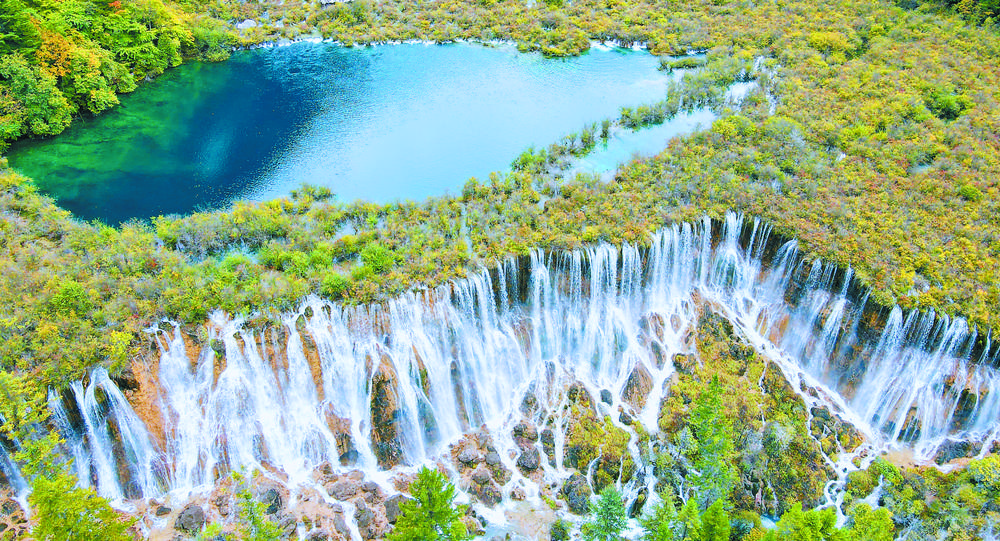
pixel 374 386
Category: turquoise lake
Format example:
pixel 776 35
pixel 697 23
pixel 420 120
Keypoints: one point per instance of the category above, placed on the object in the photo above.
pixel 377 123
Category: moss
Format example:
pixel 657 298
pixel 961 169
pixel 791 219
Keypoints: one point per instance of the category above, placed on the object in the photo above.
pixel 779 463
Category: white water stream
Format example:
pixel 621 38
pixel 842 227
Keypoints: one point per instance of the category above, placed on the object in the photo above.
pixel 432 365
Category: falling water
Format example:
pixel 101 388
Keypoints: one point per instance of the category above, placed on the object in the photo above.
pixel 374 386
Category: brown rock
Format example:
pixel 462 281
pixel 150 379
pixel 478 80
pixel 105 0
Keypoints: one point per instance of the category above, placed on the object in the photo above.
pixel 191 519
pixel 393 507
pixel 343 490
pixel 685 364
pixel 637 388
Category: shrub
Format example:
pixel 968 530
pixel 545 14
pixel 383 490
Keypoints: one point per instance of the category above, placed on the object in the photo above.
pixel 334 286
pixel 377 257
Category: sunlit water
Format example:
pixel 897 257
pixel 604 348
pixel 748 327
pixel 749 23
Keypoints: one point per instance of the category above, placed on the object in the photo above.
pixel 381 123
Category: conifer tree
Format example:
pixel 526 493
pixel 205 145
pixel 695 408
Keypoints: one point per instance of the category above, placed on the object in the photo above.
pixel 715 475
pixel 430 516
pixel 609 517
pixel 715 523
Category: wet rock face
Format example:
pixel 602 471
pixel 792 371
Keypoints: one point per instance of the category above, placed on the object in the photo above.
pixel 482 472
pixel 191 519
pixel 637 388
pixel 577 494
pixel 341 430
pixel 384 416
pixel 952 450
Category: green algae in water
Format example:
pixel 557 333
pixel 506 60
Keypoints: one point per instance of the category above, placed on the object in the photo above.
pixel 379 123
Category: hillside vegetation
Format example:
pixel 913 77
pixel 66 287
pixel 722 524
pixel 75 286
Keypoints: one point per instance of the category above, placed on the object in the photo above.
pixel 873 137
pixel 62 58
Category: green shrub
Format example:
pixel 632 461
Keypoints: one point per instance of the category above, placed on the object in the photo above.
pixel 334 286
pixel 970 192
pixel 377 257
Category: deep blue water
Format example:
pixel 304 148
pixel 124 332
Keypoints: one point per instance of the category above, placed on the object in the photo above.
pixel 381 123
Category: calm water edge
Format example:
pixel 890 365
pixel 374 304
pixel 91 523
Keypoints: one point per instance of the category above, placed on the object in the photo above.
pixel 380 123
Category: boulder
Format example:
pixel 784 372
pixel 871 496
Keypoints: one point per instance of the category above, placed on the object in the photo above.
pixel 343 489
pixel 951 450
pixel 340 525
pixel 685 363
pixel 318 534
pixel 481 475
pixel 529 460
pixel 271 498
pixel 637 388
pixel 525 431
pixel 577 494
pixel 470 455
pixel 393 507
pixel 191 519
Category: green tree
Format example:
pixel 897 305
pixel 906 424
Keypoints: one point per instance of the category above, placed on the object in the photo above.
pixel 46 110
pixel 64 512
pixel 812 525
pixel 871 525
pixel 16 31
pixel 714 474
pixel 430 516
pixel 61 511
pixel 661 524
pixel 715 522
pixel 256 526
pixel 609 517
pixel 689 522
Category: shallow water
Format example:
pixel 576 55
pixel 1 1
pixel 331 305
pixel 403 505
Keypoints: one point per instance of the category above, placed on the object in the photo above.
pixel 379 123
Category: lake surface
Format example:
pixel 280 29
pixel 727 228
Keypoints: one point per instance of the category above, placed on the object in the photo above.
pixel 380 123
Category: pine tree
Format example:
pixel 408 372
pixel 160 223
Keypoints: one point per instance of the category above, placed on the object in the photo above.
pixel 689 522
pixel 715 523
pixel 609 517
pixel 715 475
pixel 661 524
pixel 430 516
pixel 812 525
